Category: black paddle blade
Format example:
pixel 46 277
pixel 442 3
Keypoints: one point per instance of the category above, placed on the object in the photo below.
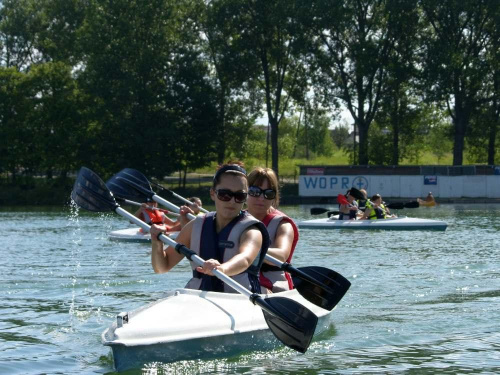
pixel 130 184
pixel 292 323
pixel 357 194
pixel 327 288
pixel 412 204
pixel 318 210
pixel 396 206
pixel 135 176
pixel 120 189
pixel 91 193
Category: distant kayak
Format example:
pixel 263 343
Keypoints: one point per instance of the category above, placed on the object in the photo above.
pixel 399 223
pixel 426 203
pixel 134 235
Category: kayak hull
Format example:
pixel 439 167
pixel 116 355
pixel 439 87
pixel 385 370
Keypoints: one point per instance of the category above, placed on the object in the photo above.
pixel 133 235
pixel 400 223
pixel 192 324
pixel 423 203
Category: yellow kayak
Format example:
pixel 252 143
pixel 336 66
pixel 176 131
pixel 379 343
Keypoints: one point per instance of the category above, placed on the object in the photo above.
pixel 426 203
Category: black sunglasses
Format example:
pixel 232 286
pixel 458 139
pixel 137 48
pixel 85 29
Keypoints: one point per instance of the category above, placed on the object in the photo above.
pixel 256 191
pixel 225 195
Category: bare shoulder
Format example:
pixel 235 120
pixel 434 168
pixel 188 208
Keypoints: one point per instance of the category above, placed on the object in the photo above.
pixel 285 227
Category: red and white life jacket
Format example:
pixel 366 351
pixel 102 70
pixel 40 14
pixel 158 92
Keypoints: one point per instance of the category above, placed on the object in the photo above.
pixel 271 277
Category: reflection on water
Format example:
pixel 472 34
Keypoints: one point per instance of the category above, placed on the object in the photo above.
pixel 420 302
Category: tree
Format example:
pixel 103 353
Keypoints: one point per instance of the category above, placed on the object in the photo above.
pixel 13 110
pixel 340 134
pixel 269 34
pixel 237 104
pixel 54 118
pixel 455 54
pixel 353 41
pixel 400 100
pixel 146 82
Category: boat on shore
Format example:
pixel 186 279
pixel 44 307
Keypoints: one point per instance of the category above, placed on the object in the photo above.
pixel 192 324
pixel 398 223
pixel 134 235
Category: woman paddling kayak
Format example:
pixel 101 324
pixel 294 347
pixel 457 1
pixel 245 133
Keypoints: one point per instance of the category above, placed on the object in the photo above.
pixel 263 202
pixel 231 241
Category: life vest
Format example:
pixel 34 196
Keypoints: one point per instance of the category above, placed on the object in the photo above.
pixel 361 204
pixel 153 217
pixel 376 212
pixel 351 215
pixel 209 244
pixel 271 277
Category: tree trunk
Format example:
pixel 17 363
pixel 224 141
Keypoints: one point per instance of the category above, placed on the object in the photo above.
pixel 221 149
pixel 363 142
pixel 460 125
pixel 460 121
pixel 274 145
pixel 395 133
pixel 185 177
pixel 492 139
pixel 306 134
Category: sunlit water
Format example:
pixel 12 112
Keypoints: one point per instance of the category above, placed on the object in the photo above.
pixel 420 301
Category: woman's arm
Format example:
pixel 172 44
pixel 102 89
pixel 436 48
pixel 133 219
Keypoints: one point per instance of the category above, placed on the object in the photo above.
pixel 163 260
pixel 282 243
pixel 250 244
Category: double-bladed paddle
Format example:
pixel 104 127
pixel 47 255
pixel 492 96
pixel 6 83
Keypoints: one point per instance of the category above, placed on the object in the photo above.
pixel 137 204
pixel 291 322
pixel 319 285
pixel 169 192
pixel 400 205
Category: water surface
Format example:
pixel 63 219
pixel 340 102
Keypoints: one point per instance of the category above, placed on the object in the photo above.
pixel 420 302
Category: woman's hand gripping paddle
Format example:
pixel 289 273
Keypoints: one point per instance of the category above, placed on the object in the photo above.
pixel 292 323
pixel 319 285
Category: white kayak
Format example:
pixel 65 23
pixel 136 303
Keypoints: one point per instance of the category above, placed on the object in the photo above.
pixel 134 235
pixel 398 223
pixel 192 324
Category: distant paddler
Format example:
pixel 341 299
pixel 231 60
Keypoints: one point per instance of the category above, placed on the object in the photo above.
pixel 348 207
pixel 376 209
pixel 428 201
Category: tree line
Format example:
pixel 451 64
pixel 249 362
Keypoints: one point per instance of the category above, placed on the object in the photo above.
pixel 174 85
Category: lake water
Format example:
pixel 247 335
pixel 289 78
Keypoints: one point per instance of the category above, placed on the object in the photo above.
pixel 420 301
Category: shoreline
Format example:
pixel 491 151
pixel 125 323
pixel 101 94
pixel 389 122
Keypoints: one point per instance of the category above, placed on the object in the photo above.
pixel 60 196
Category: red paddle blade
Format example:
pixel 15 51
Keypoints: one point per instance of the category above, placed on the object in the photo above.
pixel 342 199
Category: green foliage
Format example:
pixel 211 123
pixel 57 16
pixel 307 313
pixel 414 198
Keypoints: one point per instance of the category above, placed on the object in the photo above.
pixel 166 86
pixel 339 135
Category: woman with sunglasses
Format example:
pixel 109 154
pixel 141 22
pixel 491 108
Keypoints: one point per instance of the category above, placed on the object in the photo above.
pixel 229 239
pixel 263 200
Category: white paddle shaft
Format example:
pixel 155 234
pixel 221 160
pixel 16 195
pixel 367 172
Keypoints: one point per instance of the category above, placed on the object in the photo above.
pixel 194 258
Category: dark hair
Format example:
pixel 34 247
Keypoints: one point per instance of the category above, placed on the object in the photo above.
pixel 230 167
pixel 375 197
